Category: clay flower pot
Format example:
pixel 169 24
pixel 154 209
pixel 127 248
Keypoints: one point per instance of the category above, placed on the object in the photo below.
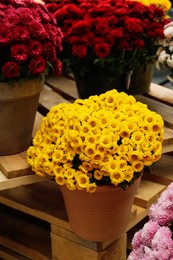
pixel 101 215
pixel 18 106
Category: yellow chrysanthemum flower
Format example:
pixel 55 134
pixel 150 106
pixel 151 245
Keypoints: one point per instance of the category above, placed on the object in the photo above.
pixel 82 180
pixel 137 137
pixel 91 187
pixel 59 178
pixel 97 175
pixel 117 177
pixel 163 4
pixel 107 137
pixel 105 141
pixel 138 166
pixel 128 173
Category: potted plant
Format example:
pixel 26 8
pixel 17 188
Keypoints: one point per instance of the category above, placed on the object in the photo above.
pixel 164 53
pixel 105 40
pixel 154 240
pixel 144 72
pixel 96 149
pixel 30 43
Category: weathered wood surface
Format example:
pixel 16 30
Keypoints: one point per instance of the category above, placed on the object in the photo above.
pixel 44 201
pixel 41 198
pixel 63 89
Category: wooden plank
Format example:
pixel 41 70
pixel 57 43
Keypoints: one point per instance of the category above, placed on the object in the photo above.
pixel 24 234
pixel 78 252
pixel 148 193
pixel 162 93
pixel 7 253
pixel 15 165
pixel 162 171
pixel 49 98
pixel 42 200
pixel 140 213
pixel 168 140
pixel 2 177
pixel 65 84
pixel 19 181
pixel 68 234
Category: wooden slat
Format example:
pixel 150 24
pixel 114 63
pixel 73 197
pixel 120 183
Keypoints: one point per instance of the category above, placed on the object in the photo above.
pixel 65 84
pixel 162 171
pixel 139 214
pixel 67 249
pixel 168 140
pixel 161 93
pixel 26 235
pixel 49 98
pixel 15 165
pixel 42 200
pixel 18 181
pixel 148 193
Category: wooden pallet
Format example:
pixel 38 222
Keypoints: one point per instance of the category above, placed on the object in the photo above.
pixel 34 223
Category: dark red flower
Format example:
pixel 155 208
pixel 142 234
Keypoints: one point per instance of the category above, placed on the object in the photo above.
pixel 102 29
pixel 5 34
pixel 49 51
pixel 52 7
pixel 19 52
pixel 10 69
pixel 102 50
pixel 20 33
pixel 133 25
pixel 80 28
pixel 35 48
pixel 79 51
pixel 139 44
pixel 25 27
pixel 37 66
pixel 57 65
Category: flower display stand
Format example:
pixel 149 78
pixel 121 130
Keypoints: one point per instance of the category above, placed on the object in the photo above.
pixel 34 223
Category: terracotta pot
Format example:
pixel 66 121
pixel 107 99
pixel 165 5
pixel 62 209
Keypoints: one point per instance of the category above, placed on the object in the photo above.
pixel 102 215
pixel 93 83
pixel 18 106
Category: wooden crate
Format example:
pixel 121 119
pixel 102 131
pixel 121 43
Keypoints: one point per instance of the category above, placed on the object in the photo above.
pixel 43 201
pixel 34 223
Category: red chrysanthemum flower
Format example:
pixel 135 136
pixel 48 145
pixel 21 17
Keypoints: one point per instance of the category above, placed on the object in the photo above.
pixel 52 7
pixel 5 35
pixel 80 28
pixel 25 27
pixel 10 69
pixel 49 51
pixel 35 48
pixel 21 33
pixel 139 44
pixel 79 51
pixel 37 66
pixel 102 50
pixel 102 29
pixel 19 52
pixel 57 64
pixel 133 25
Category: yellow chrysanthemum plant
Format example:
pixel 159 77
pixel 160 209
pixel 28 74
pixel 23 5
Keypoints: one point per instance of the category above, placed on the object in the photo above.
pixel 107 139
pixel 165 5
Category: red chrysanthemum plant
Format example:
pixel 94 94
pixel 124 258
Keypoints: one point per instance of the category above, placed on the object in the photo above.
pixel 30 41
pixel 108 34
